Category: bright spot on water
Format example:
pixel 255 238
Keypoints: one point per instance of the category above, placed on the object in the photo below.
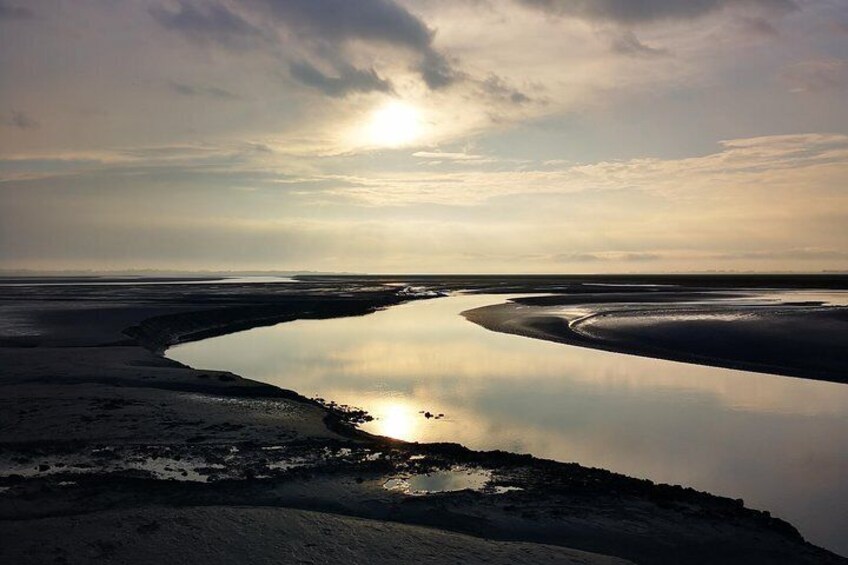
pixel 397 420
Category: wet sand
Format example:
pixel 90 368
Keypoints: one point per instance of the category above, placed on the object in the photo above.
pixel 123 455
pixel 801 339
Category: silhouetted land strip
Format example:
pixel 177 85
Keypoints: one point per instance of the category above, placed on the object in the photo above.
pixel 578 283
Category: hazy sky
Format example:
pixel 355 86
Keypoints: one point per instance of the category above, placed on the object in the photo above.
pixel 424 135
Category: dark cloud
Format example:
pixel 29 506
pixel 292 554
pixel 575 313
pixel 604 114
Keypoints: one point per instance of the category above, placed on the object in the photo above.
pixel 436 71
pixel 348 80
pixel 323 27
pixel 496 87
pixel 202 91
pixel 10 12
pixel 343 20
pixel 638 11
pixel 380 21
pixel 21 120
pixel 625 42
pixel 207 21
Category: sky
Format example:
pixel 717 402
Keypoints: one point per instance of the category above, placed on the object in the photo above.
pixel 424 136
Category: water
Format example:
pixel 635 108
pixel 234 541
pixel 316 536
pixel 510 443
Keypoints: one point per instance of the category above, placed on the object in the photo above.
pixel 779 443
pixel 450 480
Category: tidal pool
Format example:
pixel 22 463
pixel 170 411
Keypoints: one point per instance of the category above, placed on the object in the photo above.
pixel 779 443
pixel 449 480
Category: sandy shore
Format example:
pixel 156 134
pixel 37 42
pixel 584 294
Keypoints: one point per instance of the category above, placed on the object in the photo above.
pixel 122 455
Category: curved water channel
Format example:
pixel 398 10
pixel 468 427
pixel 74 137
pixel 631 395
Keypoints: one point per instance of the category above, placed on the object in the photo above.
pixel 779 443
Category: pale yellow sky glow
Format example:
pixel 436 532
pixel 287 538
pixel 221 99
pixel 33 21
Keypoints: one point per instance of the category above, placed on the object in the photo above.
pixel 461 136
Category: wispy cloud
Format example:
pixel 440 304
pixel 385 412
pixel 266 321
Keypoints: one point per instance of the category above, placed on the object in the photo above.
pixel 766 201
pixel 207 21
pixel 438 157
pixel 740 163
pixel 758 25
pixel 347 80
pixel 21 120
pixel 625 42
pixel 496 86
pixel 637 11
pixel 613 256
pixel 10 11
pixel 201 91
pixel 817 75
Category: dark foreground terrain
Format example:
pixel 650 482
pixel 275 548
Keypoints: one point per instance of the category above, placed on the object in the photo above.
pixel 111 453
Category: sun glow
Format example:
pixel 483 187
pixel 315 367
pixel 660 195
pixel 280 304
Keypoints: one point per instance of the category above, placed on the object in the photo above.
pixel 397 420
pixel 394 124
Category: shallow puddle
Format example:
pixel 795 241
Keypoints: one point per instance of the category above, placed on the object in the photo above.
pixel 450 480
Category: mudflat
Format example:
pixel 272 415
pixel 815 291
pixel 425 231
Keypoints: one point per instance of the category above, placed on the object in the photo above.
pixel 119 453
pixel 754 330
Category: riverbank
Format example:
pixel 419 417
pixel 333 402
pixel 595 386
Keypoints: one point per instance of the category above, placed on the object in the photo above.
pixel 119 449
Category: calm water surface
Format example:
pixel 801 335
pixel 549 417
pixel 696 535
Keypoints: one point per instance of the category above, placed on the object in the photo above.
pixel 779 443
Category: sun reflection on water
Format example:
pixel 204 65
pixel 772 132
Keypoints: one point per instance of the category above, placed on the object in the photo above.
pixel 397 420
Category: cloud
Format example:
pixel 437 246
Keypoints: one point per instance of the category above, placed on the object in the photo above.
pixel 817 75
pixel 202 91
pixel 374 21
pixel 806 254
pixel 21 120
pixel 625 42
pixel 759 26
pixel 497 87
pixel 207 22
pixel 342 20
pixel 764 163
pixel 447 156
pixel 797 254
pixel 348 80
pixel 767 202
pixel 615 256
pixel 10 12
pixel 440 157
pixel 325 29
pixel 436 71
pixel 641 11
pixel 142 103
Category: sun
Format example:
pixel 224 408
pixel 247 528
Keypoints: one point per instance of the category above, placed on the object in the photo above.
pixel 394 124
